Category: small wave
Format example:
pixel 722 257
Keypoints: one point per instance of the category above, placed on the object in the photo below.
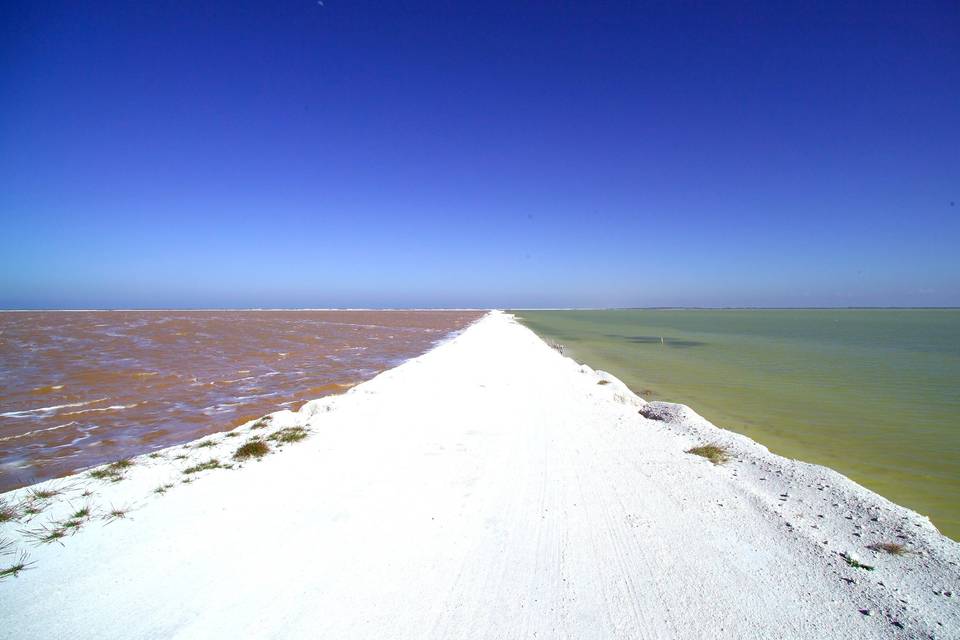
pixel 29 413
pixel 35 431
pixel 113 407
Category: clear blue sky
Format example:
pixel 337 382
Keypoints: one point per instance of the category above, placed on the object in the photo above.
pixel 185 154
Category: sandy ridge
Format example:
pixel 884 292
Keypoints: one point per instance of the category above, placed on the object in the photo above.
pixel 489 488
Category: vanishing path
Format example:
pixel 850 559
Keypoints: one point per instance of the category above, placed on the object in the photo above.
pixel 488 489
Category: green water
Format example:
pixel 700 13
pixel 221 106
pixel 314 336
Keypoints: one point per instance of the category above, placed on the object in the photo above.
pixel 871 393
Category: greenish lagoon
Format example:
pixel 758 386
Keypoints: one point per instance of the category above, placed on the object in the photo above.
pixel 872 393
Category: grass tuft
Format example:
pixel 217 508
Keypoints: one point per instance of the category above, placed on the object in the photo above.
pixel 893 548
pixel 8 512
pixel 31 508
pixel 22 563
pixel 43 494
pixel 289 434
pixel 855 563
pixel 116 513
pixel 212 463
pixel 6 546
pixel 252 449
pixel 261 423
pixel 163 488
pixel 602 382
pixel 113 471
pixel 206 443
pixel 232 434
pixel 45 535
pixel 715 453
pixel 80 514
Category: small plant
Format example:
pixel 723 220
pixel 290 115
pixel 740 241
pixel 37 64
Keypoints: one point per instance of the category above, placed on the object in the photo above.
pixel 22 563
pixel 181 456
pixel 854 562
pixel 715 453
pixel 252 449
pixel 81 513
pixel 45 535
pixel 603 382
pixel 206 443
pixel 162 489
pixel 116 513
pixel 289 434
pixel 86 493
pixel 232 434
pixel 43 494
pixel 72 525
pixel 212 463
pixel 6 546
pixel 261 423
pixel 113 471
pixel 154 455
pixel 893 548
pixel 8 512
pixel 30 508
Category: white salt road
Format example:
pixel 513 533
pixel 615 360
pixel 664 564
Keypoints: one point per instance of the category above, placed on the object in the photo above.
pixel 488 489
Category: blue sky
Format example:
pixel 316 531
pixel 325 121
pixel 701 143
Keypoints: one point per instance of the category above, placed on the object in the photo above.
pixel 208 154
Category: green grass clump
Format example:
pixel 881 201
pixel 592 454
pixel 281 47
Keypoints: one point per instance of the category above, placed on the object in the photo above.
pixel 252 449
pixel 289 434
pixel 855 563
pixel 261 423
pixel 22 563
pixel 232 434
pixel 113 471
pixel 893 548
pixel 80 514
pixel 212 463
pixel 163 488
pixel 206 443
pixel 715 453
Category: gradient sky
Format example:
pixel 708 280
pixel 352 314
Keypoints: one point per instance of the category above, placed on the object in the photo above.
pixel 207 154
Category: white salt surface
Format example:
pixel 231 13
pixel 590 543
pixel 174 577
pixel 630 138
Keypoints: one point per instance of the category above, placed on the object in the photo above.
pixel 488 489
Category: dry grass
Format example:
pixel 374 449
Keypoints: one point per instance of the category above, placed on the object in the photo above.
pixel 715 453
pixel 212 463
pixel 43 494
pixel 602 382
pixel 116 513
pixel 252 449
pixel 232 434
pixel 893 548
pixel 289 434
pixel 8 512
pixel 261 423
pixel 206 443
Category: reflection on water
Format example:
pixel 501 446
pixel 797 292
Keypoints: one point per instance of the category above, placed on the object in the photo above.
pixel 79 389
